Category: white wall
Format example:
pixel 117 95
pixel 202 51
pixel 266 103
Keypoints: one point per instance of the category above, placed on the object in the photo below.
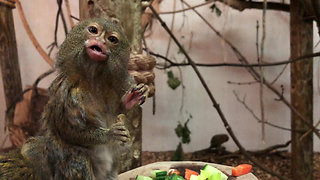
pixel 158 129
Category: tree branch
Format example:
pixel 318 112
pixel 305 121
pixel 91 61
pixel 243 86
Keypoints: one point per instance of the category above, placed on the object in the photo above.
pixel 284 62
pixel 238 5
pixel 243 4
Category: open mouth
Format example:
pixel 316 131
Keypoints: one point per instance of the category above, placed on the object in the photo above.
pixel 96 50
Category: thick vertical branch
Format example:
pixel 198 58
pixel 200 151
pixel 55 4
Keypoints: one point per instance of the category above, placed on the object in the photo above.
pixel 301 33
pixel 9 58
pixel 264 12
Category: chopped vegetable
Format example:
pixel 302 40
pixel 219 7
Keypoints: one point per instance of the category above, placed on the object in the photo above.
pixel 194 177
pixel 212 173
pixel 139 177
pixel 175 177
pixel 158 173
pixel 207 173
pixel 242 169
pixel 188 173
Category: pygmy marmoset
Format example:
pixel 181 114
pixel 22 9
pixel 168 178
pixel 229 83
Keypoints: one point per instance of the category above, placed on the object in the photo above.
pixel 81 136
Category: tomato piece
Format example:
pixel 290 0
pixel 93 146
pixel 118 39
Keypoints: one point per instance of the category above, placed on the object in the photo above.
pixel 242 169
pixel 188 173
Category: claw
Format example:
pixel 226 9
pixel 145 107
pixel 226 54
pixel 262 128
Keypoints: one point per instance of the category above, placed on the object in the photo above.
pixel 142 100
pixel 137 95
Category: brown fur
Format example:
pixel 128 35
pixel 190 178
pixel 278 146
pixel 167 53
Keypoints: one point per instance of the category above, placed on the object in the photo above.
pixel 80 135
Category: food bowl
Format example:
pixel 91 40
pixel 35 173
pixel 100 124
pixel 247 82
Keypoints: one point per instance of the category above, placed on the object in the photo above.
pixel 181 165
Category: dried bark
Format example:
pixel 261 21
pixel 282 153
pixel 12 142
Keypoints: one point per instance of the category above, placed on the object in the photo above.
pixel 9 58
pixel 301 33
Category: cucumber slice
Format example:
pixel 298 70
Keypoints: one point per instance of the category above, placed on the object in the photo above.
pixel 139 177
pixel 212 173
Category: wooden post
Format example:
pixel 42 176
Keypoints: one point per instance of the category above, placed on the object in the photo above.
pixel 301 32
pixel 9 58
pixel 129 15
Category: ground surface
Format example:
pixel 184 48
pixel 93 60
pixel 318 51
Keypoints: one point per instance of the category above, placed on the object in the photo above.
pixel 277 161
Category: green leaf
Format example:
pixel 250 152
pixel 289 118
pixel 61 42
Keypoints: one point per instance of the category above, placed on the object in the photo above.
pixel 170 74
pixel 212 7
pixel 172 81
pixel 218 12
pixel 183 132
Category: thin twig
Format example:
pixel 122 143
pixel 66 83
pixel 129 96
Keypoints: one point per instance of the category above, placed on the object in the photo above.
pixel 245 105
pixel 75 18
pixel 154 96
pixel 171 28
pixel 59 14
pixel 308 132
pixel 63 19
pixel 186 9
pixel 57 23
pixel 243 83
pixel 32 37
pixel 243 4
pixel 213 100
pixel 271 148
pixel 279 75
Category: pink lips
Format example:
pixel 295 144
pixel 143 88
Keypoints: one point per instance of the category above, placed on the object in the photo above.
pixel 96 50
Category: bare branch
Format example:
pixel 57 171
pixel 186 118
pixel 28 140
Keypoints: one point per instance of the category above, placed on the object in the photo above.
pixel 242 5
pixel 284 62
pixel 243 83
pixel 186 9
pixel 238 5
pixel 255 116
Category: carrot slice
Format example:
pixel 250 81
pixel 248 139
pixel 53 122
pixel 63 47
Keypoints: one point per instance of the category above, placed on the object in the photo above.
pixel 188 173
pixel 242 169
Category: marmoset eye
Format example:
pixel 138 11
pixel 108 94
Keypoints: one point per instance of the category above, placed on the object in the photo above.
pixel 93 29
pixel 113 39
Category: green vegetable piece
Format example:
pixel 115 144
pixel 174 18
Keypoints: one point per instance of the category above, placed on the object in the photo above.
pixel 215 176
pixel 157 173
pixel 212 173
pixel 140 177
pixel 160 178
pixel 174 176
pixel 194 177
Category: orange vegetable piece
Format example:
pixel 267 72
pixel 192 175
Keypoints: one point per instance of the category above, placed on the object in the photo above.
pixel 188 173
pixel 242 169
